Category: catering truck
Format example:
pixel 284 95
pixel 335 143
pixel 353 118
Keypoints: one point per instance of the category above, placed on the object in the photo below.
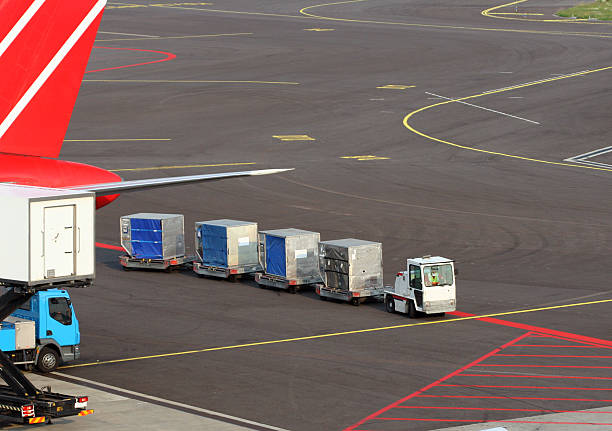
pixel 427 286
pixel 46 243
pixel 44 332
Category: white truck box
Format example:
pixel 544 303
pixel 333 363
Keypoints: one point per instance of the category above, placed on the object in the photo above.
pixel 46 235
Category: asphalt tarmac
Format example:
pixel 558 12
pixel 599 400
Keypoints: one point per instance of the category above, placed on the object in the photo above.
pixel 435 129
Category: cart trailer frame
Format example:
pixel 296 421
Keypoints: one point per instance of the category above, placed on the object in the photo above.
pixel 355 297
pixel 128 263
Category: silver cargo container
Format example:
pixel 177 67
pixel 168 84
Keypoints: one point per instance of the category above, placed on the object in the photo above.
pixel 351 268
pixel 291 254
pixel 153 236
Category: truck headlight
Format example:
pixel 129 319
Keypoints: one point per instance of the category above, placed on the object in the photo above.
pixel 427 304
pixel 451 302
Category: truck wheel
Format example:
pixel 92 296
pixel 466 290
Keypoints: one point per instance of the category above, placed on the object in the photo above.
pixel 412 311
pixel 355 302
pixel 390 304
pixel 48 360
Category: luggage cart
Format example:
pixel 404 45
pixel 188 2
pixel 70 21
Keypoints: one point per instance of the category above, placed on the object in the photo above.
pixel 221 272
pixel 354 297
pixel 290 285
pixel 128 263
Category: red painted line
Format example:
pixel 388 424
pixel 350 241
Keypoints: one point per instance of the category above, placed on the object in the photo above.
pixel 499 409
pixel 437 382
pixel 511 398
pixel 566 335
pixel 504 421
pixel 558 356
pixel 535 376
pixel 169 56
pixel 541 366
pixel 558 345
pixel 109 246
pixel 528 387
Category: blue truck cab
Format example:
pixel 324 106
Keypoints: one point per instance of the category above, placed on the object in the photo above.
pixel 43 332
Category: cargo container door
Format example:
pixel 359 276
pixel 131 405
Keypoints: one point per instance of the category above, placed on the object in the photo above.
pixel 59 241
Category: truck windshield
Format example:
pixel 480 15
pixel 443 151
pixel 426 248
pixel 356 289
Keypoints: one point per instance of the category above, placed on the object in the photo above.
pixel 59 309
pixel 438 275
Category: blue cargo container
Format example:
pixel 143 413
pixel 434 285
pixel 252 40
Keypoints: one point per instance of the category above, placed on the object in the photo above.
pixel 153 236
pixel 226 247
pixel 290 256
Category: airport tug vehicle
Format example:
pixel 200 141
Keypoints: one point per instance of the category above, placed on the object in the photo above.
pixel 46 242
pixel 427 286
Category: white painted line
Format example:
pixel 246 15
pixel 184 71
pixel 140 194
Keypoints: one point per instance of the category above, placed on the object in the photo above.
pixel 583 158
pixel 481 107
pixel 19 25
pixel 127 34
pixel 590 154
pixel 506 72
pixel 50 68
pixel 377 99
pixel 516 97
pixel 169 402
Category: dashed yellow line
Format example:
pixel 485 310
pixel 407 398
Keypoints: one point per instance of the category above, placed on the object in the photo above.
pixel 501 90
pixel 335 334
pixel 197 36
pixel 158 168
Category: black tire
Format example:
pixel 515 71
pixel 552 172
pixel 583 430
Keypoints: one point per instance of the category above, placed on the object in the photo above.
pixel 390 304
pixel 292 289
pixel 323 298
pixel 412 311
pixel 48 360
pixel 232 278
pixel 355 302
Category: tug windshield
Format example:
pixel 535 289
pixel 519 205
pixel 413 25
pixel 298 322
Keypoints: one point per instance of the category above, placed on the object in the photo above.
pixel 438 275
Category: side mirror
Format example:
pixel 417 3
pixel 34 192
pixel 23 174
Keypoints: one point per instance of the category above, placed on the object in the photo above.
pixel 456 271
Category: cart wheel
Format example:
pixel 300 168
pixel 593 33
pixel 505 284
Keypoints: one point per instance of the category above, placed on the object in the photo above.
pixel 390 304
pixel 48 359
pixel 412 311
pixel 355 302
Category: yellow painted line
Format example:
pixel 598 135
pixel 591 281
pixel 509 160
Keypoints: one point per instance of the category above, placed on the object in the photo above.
pixel 516 13
pixel 117 140
pixel 128 5
pixel 335 334
pixel 158 168
pixel 319 29
pixel 490 14
pixel 396 86
pixel 197 36
pixel 304 12
pixel 167 81
pixel 365 158
pixel 288 138
pixel 501 90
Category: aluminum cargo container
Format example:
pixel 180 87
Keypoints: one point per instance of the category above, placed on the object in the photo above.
pixel 291 254
pixel 153 236
pixel 46 235
pixel 226 247
pixel 351 268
